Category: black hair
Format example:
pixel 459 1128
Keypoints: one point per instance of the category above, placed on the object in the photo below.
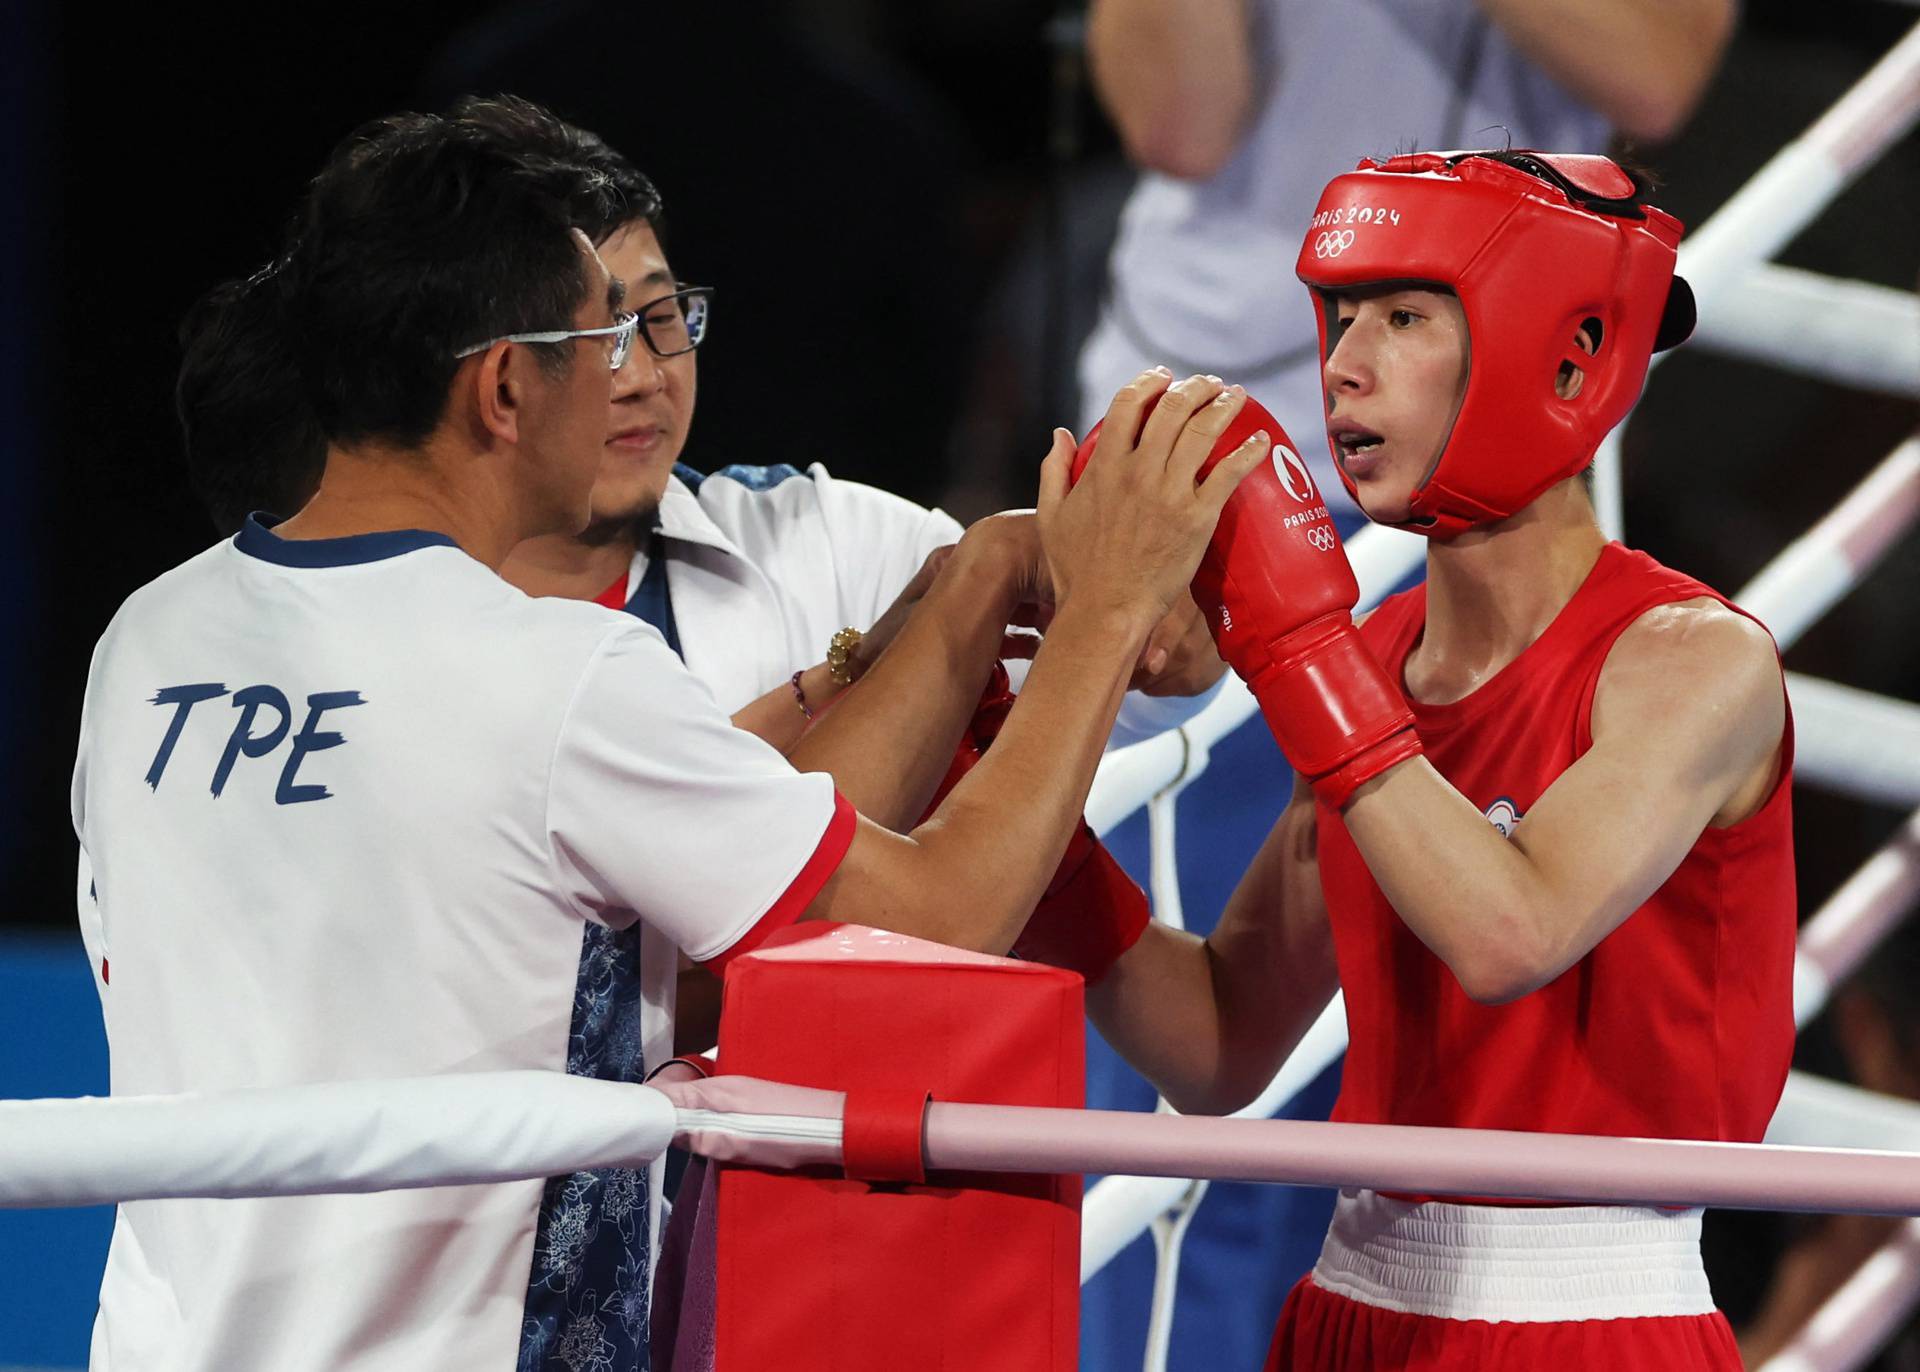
pixel 251 440
pixel 425 234
pixel 615 192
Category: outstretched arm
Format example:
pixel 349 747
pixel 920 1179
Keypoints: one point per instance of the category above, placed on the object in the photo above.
pixel 1688 719
pixel 1209 1021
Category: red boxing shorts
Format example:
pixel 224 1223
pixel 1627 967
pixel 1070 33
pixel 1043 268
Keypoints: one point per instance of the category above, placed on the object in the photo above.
pixel 1436 1287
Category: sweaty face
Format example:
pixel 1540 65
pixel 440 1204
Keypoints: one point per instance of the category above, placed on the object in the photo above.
pixel 1394 382
pixel 645 426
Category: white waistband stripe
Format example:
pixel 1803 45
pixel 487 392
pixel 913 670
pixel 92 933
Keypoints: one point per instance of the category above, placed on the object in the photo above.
pixel 1510 1263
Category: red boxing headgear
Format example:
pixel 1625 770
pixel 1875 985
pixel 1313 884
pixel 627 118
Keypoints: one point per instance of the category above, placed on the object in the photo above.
pixel 1535 245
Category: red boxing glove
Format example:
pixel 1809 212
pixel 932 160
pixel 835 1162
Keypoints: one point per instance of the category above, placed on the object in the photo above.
pixel 1092 911
pixel 1278 594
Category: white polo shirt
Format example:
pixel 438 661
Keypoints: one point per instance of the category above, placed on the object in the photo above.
pixel 349 807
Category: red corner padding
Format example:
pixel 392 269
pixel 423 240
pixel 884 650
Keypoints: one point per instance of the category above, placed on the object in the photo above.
pixel 963 1270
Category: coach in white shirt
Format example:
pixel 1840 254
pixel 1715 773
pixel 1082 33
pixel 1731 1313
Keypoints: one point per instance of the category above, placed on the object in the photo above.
pixel 349 800
pixel 747 573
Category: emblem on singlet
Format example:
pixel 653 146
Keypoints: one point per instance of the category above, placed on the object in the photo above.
pixel 1503 816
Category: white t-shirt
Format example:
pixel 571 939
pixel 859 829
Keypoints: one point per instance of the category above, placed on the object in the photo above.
pixel 350 808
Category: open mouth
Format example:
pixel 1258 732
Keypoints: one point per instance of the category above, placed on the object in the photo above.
pixel 1353 441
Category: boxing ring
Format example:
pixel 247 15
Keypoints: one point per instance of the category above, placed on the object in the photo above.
pixel 1832 1148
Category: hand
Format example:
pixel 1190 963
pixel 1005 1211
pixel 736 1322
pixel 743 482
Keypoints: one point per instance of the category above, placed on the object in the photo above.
pixel 1179 659
pixel 1002 556
pixel 1130 531
pixel 1010 542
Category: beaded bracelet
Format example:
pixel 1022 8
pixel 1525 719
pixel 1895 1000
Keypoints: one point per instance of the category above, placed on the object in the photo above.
pixel 800 696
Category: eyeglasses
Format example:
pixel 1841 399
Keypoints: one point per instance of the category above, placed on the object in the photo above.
pixel 676 323
pixel 621 331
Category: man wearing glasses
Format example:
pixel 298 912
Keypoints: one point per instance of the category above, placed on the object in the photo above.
pixel 776 577
pixel 353 807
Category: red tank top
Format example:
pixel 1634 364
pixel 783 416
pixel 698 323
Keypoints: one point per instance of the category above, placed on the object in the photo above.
pixel 1679 1024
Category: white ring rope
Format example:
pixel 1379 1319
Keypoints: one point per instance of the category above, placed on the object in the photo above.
pixel 1789 192
pixel 1805 176
pixel 347 1136
pixel 1856 918
pixel 1850 333
pixel 491 1127
pixel 1807 577
pixel 1815 1112
pixel 1855 742
pixel 1466 1162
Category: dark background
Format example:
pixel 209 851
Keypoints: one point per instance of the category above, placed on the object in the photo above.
pixel 867 186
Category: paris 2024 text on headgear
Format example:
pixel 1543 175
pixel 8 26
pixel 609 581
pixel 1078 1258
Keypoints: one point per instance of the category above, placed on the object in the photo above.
pixel 1536 246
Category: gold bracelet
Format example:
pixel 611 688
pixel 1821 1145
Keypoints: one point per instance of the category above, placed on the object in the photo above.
pixel 840 654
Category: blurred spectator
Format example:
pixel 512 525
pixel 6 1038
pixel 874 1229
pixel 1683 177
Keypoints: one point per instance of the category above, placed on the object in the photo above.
pixel 1238 111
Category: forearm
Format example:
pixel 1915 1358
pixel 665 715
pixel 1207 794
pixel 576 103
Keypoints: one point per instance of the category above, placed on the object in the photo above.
pixel 971 875
pixel 1475 898
pixel 888 744
pixel 1177 79
pixel 1641 63
pixel 1160 1007
pixel 1209 1022
pixel 1022 801
pixel 777 718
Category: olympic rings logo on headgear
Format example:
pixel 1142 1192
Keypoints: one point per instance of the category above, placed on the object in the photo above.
pixel 1321 537
pixel 1333 243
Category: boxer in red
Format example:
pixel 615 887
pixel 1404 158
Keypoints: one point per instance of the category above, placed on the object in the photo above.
pixel 1542 832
